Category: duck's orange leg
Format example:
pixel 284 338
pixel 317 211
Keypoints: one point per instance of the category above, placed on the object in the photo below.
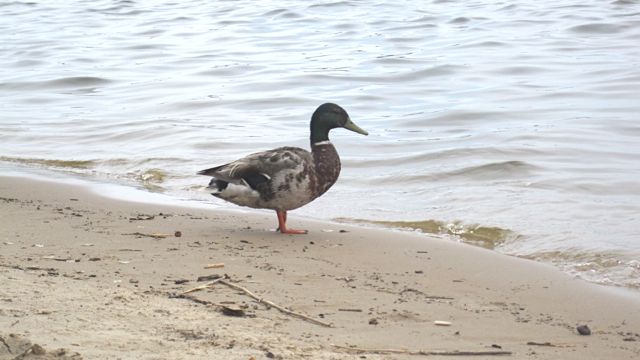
pixel 282 220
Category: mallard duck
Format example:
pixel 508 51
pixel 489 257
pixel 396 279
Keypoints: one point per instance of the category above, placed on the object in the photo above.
pixel 285 178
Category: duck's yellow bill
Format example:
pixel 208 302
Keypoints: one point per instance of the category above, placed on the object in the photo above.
pixel 350 125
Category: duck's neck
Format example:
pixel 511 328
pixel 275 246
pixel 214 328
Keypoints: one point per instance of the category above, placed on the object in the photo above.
pixel 327 165
pixel 319 132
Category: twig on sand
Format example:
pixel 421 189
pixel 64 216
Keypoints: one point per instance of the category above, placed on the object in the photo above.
pixel 270 303
pixel 356 350
pixel 201 287
pixel 533 343
pixel 209 285
pixel 214 266
pixel 152 235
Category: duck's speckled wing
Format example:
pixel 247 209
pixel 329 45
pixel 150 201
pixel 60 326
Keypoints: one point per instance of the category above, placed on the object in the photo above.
pixel 268 163
pixel 276 179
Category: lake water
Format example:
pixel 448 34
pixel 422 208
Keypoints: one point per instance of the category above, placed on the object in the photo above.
pixel 513 125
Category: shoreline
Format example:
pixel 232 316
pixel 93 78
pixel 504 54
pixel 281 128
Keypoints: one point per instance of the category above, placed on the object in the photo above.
pixel 70 257
pixel 138 193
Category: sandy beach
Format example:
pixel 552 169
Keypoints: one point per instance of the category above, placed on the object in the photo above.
pixel 83 276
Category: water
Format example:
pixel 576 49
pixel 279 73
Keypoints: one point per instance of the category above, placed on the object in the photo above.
pixel 514 120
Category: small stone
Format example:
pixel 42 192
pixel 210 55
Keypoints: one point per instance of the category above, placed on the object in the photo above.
pixel 232 311
pixel 373 321
pixel 37 350
pixel 583 330
pixel 269 354
pixel 177 233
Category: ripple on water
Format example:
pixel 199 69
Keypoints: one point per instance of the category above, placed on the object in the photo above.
pixel 332 4
pixel 491 171
pixel 598 28
pixel 51 163
pixel 61 83
pixel 459 20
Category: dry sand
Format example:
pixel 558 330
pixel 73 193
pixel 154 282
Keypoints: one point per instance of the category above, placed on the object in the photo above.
pixel 74 275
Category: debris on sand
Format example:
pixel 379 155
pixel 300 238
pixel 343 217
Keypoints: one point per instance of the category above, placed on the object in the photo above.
pixel 583 330
pixel 16 347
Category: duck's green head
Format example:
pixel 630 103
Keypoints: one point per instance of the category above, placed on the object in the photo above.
pixel 330 116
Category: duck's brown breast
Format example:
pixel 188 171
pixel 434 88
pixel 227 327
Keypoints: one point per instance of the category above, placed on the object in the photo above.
pixel 327 167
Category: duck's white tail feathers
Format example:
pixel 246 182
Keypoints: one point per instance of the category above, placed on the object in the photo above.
pixel 217 186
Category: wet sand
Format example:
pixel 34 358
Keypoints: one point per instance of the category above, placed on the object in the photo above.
pixel 81 272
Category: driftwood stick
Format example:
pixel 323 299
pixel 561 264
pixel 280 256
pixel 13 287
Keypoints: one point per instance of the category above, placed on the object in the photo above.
pixel 270 303
pixel 152 235
pixel 201 287
pixel 420 352
pixel 214 266
pixel 533 343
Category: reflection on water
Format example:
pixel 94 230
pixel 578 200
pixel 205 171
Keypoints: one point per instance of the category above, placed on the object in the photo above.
pixel 519 116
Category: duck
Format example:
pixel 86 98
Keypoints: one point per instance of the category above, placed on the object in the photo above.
pixel 285 178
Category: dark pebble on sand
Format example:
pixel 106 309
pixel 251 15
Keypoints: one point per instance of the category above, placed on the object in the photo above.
pixel 177 234
pixel 583 330
pixel 232 311
pixel 37 350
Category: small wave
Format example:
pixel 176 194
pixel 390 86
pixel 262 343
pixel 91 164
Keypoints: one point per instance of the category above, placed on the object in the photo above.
pixel 598 28
pixel 27 63
pixel 332 4
pixel 484 44
pixel 438 70
pixel 602 267
pixel 488 237
pixel 62 83
pixel 394 78
pixel 18 3
pixel 51 163
pixel 145 47
pixel 522 70
pixel 513 169
pixel 451 118
pixel 283 13
pixel 492 170
pixel 151 178
pixel 459 20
